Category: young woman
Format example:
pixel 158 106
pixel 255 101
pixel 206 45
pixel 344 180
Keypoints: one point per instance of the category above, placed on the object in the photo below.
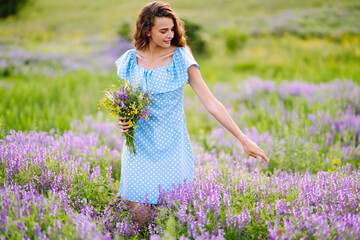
pixel 162 63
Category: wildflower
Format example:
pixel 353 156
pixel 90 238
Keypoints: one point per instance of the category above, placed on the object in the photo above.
pixel 129 102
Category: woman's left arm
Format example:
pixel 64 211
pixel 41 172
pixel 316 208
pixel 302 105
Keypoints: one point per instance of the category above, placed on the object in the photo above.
pixel 217 109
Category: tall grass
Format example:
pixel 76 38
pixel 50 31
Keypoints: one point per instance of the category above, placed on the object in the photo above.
pixel 42 102
pixel 37 102
pixel 50 20
pixel 285 58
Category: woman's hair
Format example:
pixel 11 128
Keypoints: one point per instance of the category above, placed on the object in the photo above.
pixel 146 21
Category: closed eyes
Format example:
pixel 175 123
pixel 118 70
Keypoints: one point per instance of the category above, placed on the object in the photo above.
pixel 164 31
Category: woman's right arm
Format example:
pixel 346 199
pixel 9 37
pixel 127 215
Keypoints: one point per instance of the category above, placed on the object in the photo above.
pixel 220 113
pixel 124 126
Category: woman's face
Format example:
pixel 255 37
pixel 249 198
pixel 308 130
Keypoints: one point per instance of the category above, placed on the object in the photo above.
pixel 162 32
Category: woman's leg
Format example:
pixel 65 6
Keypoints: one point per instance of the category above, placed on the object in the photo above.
pixel 145 211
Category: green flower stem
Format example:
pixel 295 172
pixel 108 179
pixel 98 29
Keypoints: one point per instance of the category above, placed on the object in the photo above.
pixel 130 141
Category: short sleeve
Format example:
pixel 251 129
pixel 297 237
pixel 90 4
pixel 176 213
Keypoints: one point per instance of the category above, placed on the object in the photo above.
pixel 123 65
pixel 187 60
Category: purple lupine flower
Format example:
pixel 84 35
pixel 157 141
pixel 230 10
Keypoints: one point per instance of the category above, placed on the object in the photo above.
pixel 123 105
pixel 96 173
pixel 319 203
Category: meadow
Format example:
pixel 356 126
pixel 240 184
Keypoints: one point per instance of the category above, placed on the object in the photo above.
pixel 287 73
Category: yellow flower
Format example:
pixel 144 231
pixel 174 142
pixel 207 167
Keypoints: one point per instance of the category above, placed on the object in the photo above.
pixel 336 161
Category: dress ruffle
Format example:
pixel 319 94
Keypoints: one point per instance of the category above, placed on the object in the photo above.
pixel 171 78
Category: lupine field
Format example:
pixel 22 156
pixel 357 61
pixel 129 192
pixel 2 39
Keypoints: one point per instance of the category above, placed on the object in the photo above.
pixel 296 94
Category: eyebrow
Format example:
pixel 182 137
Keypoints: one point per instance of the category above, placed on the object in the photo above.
pixel 166 28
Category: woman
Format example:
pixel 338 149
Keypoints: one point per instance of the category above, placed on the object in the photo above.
pixel 162 63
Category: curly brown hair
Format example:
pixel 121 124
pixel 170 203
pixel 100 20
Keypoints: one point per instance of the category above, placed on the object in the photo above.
pixel 146 21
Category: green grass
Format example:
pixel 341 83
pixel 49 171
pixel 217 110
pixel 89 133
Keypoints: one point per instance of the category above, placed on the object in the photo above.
pixel 40 102
pixel 47 21
pixel 37 102
pixel 285 58
pixel 325 47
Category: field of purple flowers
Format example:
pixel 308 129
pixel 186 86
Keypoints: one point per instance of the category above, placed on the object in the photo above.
pixel 18 61
pixel 59 176
pixel 63 185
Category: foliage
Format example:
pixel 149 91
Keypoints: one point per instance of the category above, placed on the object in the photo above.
pixel 61 180
pixel 32 105
pixel 194 37
pixel 234 40
pixel 55 188
pixel 125 30
pixel 11 7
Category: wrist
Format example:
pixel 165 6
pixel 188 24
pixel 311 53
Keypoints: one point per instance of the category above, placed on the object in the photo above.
pixel 243 138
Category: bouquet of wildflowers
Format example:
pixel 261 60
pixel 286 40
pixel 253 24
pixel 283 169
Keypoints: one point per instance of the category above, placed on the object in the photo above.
pixel 129 102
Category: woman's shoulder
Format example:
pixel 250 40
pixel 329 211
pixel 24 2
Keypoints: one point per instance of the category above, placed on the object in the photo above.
pixel 126 57
pixel 183 50
pixel 129 53
pixel 124 64
pixel 185 56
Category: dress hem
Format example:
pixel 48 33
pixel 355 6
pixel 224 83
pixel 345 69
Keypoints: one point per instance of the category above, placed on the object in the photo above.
pixel 137 201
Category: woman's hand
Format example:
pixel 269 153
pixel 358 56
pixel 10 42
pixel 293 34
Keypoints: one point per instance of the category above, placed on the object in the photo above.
pixel 254 150
pixel 124 126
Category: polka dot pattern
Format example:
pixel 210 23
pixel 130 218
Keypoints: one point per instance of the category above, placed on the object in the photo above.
pixel 164 154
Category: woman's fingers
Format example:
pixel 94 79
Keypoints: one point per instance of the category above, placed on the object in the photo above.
pixel 253 150
pixel 262 154
pixel 122 123
pixel 121 119
pixel 124 131
pixel 124 126
pixel 264 157
pixel 259 153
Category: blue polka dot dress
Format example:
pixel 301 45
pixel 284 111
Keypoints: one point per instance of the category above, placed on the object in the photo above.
pixel 163 151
